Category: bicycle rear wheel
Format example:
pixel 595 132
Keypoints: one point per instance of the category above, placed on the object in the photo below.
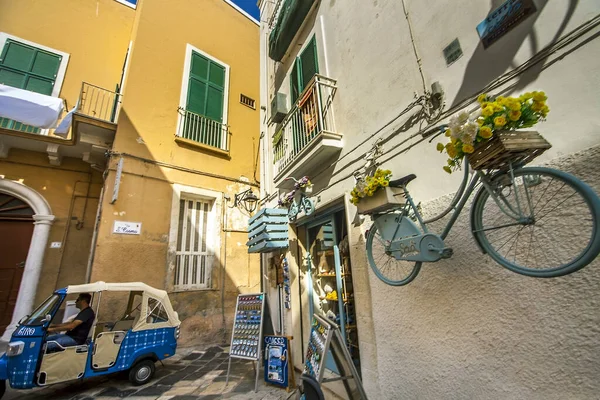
pixel 386 267
pixel 558 233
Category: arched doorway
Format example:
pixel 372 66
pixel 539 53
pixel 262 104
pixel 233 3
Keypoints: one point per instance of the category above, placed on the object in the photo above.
pixel 16 228
pixel 21 205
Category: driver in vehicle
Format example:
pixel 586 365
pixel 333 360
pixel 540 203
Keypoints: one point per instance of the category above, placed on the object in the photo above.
pixel 77 330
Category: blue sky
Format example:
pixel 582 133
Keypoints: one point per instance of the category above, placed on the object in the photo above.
pixel 249 6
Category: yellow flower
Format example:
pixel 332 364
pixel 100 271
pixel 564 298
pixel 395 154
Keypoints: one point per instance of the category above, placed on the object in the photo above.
pixel 440 147
pixel 539 96
pixel 447 169
pixel 448 133
pixel 385 183
pixel 480 121
pixel 485 132
pixel 515 105
pixel 537 106
pixel 481 97
pixel 497 107
pixel 451 151
pixel 527 96
pixel 467 148
pixel 500 99
pixel 500 121
pixel 514 115
pixel 487 112
pixel 545 110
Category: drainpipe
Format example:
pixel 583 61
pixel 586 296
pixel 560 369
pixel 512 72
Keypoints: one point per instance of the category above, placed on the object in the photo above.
pixel 88 272
pixel 223 275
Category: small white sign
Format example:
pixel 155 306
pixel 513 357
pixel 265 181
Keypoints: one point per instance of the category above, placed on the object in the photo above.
pixel 127 228
pixel 55 245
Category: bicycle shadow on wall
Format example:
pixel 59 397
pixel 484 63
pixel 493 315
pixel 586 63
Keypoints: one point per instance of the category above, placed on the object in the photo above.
pixel 485 65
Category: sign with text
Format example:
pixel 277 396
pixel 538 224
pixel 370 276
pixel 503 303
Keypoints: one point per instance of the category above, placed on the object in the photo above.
pixel 503 19
pixel 127 228
pixel 277 360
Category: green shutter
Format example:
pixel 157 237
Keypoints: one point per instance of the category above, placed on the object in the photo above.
pixel 294 87
pixel 27 67
pixel 308 62
pixel 206 97
pixel 305 67
pixel 206 88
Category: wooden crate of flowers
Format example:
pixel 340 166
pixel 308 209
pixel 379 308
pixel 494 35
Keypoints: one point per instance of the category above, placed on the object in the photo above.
pixel 374 195
pixel 491 139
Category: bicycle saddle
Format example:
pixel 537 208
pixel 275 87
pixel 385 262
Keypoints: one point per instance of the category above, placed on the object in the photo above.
pixel 402 181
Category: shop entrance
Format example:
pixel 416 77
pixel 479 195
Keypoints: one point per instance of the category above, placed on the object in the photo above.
pixel 330 289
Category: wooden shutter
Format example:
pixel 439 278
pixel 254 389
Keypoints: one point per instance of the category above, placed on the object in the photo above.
pixel 206 88
pixel 308 62
pixel 27 67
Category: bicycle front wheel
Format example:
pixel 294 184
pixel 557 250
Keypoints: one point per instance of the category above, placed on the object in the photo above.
pixel 386 267
pixel 556 232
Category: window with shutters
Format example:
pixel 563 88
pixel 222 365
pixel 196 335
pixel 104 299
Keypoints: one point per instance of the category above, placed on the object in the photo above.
pixel 194 256
pixel 305 67
pixel 29 66
pixel 204 99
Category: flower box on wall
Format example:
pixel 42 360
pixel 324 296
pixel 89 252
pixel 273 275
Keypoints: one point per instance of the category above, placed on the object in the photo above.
pixel 382 200
pixel 508 147
pixel 268 231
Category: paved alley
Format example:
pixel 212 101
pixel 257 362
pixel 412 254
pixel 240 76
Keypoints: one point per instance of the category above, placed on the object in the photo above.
pixel 188 375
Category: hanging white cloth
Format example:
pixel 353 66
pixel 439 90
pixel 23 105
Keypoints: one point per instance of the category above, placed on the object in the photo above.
pixel 30 108
pixel 65 124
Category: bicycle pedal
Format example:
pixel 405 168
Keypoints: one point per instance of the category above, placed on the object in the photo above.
pixel 447 252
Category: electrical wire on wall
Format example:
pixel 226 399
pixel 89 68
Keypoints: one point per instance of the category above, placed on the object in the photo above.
pixel 430 131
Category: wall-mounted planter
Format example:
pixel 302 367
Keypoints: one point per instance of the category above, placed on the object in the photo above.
pixel 382 200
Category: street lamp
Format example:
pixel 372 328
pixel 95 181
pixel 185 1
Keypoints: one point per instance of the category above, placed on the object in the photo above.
pixel 247 200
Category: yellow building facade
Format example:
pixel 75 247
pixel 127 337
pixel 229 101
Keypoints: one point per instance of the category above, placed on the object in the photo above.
pixel 165 135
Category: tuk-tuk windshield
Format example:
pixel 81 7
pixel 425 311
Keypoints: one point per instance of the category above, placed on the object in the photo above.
pixel 39 315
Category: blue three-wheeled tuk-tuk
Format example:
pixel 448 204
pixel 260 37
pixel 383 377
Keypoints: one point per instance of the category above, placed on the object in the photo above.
pixel 138 328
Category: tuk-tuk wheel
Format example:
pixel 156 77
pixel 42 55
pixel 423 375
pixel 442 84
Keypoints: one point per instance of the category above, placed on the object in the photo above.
pixel 141 372
pixel 2 387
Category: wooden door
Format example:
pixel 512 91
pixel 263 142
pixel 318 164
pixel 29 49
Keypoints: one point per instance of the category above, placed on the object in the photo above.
pixel 16 228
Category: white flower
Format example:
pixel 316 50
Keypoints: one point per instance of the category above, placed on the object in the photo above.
pixel 456 132
pixel 453 122
pixel 471 129
pixel 475 115
pixel 463 117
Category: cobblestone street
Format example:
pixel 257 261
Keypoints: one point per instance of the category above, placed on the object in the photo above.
pixel 190 374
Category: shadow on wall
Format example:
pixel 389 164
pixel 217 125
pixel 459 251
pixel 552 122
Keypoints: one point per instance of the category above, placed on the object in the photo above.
pixel 146 195
pixel 486 65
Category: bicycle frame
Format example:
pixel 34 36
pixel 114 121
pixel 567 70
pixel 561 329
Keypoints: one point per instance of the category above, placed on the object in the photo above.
pixel 462 196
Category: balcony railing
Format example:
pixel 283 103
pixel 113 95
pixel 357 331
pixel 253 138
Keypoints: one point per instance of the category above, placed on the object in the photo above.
pixel 99 103
pixel 310 117
pixel 201 129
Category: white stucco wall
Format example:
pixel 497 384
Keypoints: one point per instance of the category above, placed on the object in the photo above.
pixel 466 327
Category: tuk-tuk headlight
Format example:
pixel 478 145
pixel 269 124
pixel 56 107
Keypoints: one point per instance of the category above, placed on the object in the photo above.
pixel 15 348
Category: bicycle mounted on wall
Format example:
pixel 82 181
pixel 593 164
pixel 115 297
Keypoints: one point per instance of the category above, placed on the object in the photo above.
pixel 535 221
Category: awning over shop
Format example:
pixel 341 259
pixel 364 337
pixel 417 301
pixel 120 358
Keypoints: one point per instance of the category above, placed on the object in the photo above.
pixel 30 108
pixel 291 16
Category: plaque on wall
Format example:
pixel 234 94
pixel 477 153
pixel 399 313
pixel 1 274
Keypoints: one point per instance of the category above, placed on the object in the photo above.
pixel 504 18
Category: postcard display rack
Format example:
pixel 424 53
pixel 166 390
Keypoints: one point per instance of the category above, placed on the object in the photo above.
pixel 325 337
pixel 247 333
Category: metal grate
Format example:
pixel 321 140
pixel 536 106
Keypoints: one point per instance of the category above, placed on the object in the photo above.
pixel 247 101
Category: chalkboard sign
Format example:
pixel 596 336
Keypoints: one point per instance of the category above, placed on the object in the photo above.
pixel 325 337
pixel 247 328
pixel 277 360
pixel 318 344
